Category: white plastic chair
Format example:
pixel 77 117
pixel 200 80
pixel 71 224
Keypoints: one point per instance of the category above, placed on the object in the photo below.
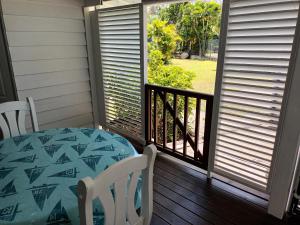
pixel 121 210
pixel 12 117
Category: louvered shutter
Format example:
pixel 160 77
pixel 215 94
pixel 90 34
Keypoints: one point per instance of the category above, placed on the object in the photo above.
pixel 121 48
pixel 260 35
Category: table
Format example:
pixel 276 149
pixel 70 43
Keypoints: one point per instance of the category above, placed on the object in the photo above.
pixel 39 173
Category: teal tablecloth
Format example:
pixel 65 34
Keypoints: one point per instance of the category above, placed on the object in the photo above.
pixel 39 173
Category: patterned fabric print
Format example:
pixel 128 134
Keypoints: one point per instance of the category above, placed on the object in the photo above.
pixel 39 173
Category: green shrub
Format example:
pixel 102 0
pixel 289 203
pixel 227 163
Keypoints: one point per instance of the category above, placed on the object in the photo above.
pixel 163 37
pixel 168 76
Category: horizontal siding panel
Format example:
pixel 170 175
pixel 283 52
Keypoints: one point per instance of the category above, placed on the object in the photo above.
pixel 34 24
pixel 75 121
pixel 55 91
pixel 259 41
pixel 89 125
pixel 62 101
pixel 36 9
pixel 48 49
pixel 44 52
pixel 58 3
pixel 17 39
pixel 64 113
pixel 51 79
pixel 46 66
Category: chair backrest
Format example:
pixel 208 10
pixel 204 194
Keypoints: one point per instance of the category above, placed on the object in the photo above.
pixel 123 178
pixel 12 117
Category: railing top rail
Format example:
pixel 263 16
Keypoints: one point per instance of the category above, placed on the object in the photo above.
pixel 181 92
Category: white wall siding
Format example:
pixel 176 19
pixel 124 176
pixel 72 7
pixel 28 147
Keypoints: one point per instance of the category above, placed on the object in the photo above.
pixel 49 57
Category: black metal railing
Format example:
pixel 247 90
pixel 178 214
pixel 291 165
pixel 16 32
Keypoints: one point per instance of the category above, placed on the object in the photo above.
pixel 178 122
pixel 295 204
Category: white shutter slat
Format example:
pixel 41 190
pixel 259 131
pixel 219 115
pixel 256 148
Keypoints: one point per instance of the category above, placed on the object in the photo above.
pixel 125 80
pixel 120 48
pixel 118 12
pixel 274 17
pixel 120 51
pixel 260 35
pixel 235 148
pixel 250 134
pixel 238 3
pixel 120 27
pixel 119 70
pixel 132 16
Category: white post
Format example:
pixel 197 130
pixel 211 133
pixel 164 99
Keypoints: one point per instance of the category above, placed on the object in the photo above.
pixel 218 86
pixel 287 149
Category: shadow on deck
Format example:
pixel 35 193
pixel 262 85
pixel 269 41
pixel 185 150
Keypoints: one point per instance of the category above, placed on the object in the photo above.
pixel 183 196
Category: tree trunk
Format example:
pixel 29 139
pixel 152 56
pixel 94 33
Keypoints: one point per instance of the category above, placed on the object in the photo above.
pixel 200 48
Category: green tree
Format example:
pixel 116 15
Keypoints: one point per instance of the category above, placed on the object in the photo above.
pixel 196 23
pixel 173 14
pixel 170 76
pixel 203 17
pixel 163 36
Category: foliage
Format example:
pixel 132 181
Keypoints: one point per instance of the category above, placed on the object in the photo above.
pixel 167 75
pixel 172 13
pixel 163 37
pixel 183 26
pixel 170 76
pixel 196 23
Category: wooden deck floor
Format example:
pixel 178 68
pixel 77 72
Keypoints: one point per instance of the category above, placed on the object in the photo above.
pixel 183 196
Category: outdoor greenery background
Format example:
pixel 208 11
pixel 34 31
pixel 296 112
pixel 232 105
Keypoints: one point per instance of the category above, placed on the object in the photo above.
pixel 204 70
pixel 182 29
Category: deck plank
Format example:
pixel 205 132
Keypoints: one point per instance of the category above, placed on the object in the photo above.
pixel 180 211
pixel 156 220
pixel 183 196
pixel 167 215
pixel 184 199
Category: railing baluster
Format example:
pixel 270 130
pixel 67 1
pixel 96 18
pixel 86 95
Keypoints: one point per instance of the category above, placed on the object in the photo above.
pixel 158 120
pixel 150 122
pixel 148 119
pixel 155 117
pixel 207 129
pixel 185 124
pixel 174 122
pixel 197 125
pixel 165 120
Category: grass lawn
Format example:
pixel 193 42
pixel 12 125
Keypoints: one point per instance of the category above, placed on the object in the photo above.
pixel 205 73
